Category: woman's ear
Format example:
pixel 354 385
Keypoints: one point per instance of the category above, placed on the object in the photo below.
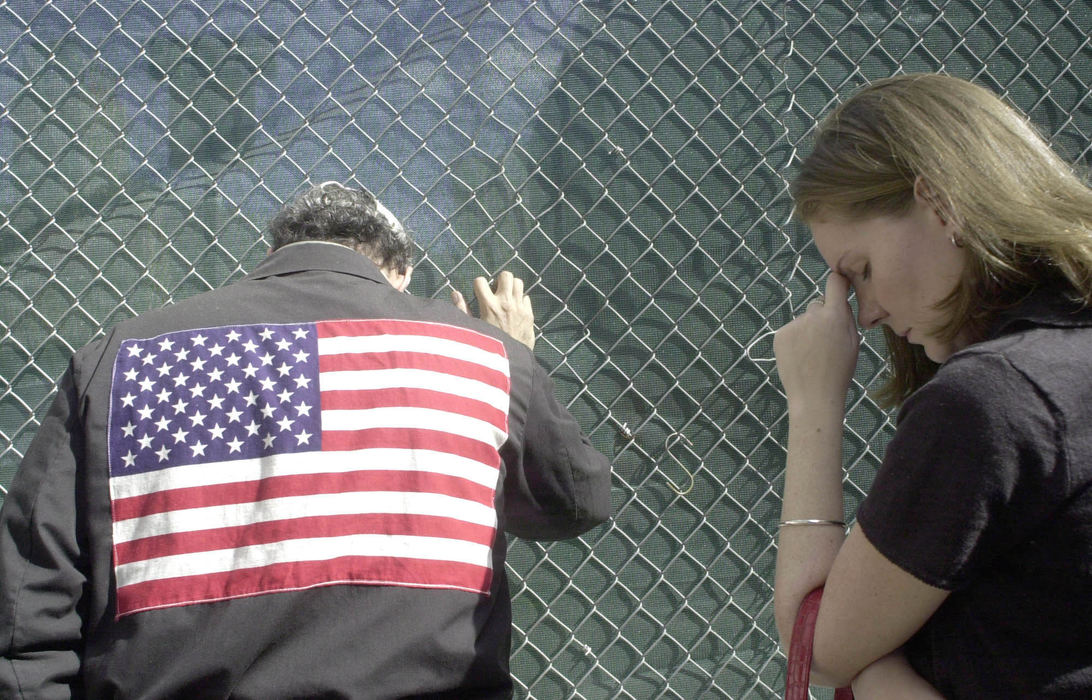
pixel 926 195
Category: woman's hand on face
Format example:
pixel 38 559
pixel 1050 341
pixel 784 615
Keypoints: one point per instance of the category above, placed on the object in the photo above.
pixel 817 351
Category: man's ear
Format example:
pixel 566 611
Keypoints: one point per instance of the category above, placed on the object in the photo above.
pixel 405 279
pixel 398 280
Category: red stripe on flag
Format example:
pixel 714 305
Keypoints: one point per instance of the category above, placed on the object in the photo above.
pixel 338 399
pixel 366 327
pixel 300 485
pixel 412 439
pixel 302 528
pixel 294 576
pixel 370 361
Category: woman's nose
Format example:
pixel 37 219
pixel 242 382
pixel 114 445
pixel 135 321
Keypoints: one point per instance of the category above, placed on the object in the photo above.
pixel 869 313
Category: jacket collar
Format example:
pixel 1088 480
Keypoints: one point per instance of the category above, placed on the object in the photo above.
pixel 317 255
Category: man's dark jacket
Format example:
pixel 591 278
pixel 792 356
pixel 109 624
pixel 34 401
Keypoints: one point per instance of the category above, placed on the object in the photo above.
pixel 61 631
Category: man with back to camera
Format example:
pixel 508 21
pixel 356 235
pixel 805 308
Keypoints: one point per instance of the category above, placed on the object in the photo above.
pixel 293 486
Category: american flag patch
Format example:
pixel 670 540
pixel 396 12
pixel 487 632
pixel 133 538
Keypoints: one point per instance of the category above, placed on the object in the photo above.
pixel 255 459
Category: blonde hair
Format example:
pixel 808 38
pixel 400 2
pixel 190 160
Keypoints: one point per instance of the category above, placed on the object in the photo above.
pixel 1024 215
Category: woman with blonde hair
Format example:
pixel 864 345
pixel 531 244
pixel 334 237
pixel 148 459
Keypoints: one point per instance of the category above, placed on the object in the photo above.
pixel 969 571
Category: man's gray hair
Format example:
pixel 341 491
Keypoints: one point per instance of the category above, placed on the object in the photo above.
pixel 353 217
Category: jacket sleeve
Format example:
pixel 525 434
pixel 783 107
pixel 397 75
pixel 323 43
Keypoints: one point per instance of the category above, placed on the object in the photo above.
pixel 558 485
pixel 42 570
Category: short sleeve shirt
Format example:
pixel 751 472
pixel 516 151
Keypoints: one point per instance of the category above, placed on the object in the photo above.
pixel 986 491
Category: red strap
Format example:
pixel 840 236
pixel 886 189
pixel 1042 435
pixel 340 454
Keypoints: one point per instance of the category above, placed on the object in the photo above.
pixel 803 634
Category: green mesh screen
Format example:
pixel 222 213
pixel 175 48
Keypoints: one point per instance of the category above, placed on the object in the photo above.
pixel 629 159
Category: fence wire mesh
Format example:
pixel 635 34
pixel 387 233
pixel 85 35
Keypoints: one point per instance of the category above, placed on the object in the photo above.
pixel 629 159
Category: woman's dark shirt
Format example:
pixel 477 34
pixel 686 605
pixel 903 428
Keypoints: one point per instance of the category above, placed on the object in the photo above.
pixel 986 491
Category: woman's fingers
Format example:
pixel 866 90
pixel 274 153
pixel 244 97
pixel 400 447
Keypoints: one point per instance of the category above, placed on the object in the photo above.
pixel 837 291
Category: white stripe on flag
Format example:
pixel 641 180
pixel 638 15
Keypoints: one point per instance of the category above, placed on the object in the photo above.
pixel 314 549
pixel 416 344
pixel 362 380
pixel 351 503
pixel 413 418
pixel 242 470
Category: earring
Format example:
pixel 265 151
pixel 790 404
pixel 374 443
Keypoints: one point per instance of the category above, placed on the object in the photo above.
pixel 956 243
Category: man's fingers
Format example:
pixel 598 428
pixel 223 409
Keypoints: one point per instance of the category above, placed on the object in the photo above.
pixel 458 300
pixel 506 306
pixel 504 283
pixel 507 292
pixel 506 286
pixel 482 290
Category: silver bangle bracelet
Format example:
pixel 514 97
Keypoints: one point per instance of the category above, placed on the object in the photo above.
pixel 812 521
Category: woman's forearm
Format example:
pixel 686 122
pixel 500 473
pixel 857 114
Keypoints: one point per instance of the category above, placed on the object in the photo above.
pixel 813 490
pixel 813 463
pixel 816 354
pixel 892 678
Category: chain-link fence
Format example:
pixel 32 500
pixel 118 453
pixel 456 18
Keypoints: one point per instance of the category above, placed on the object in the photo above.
pixel 629 159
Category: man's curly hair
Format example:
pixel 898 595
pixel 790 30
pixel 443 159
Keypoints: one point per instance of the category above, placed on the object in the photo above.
pixel 334 213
